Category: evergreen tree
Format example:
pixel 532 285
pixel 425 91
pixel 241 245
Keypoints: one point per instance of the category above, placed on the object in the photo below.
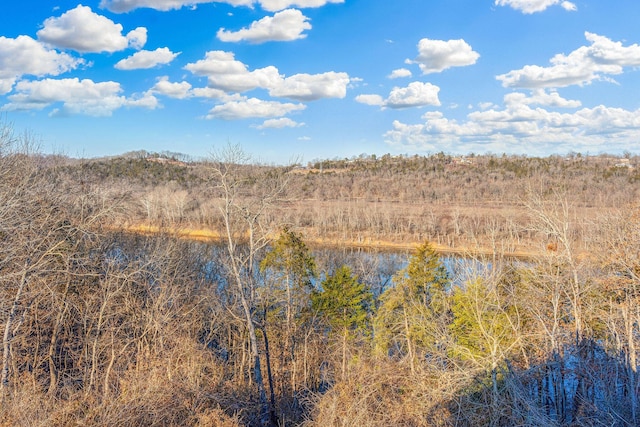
pixel 344 302
pixel 411 315
pixel 289 269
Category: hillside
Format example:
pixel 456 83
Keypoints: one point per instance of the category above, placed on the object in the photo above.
pixel 477 203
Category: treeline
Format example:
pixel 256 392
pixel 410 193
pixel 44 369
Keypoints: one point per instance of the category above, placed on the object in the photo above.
pixel 478 203
pixel 101 327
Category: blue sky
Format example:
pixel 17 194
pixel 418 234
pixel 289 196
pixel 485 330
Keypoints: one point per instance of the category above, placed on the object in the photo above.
pixel 311 79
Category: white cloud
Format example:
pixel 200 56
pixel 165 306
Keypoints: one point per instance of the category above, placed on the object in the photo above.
pixel 435 56
pixel 568 6
pixel 147 59
pixel 533 6
pixel 25 56
pixel 273 5
pixel 184 90
pixel 519 128
pixel 137 38
pixel 180 90
pixel 287 25
pixel 226 73
pixel 540 97
pixel 252 108
pixel 281 123
pixel 121 6
pixel 146 100
pixel 77 97
pixel 310 87
pixel 400 73
pixel 416 94
pixel 369 99
pixel 83 30
pixel 585 64
pixel 211 93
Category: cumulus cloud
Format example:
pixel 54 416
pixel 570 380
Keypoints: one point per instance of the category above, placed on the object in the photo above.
pixel 540 97
pixel 164 87
pixel 568 6
pixel 435 56
pixel 83 30
pixel 533 6
pixel 212 93
pixel 122 6
pixel 252 108
pixel 400 73
pixel 184 90
pixel 519 127
pixel 287 25
pixel 370 99
pixel 76 96
pixel 224 72
pixel 147 59
pixel 273 5
pixel 26 56
pixel 310 87
pixel 602 58
pixel 281 123
pixel 416 94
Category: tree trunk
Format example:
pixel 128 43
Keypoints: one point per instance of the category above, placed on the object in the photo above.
pixel 407 332
pixel 53 343
pixel 272 395
pixel 8 333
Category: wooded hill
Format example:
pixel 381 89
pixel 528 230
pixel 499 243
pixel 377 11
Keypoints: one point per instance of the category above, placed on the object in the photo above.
pixel 106 327
pixel 472 204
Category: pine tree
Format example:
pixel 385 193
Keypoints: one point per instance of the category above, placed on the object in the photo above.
pixel 344 302
pixel 289 269
pixel 412 312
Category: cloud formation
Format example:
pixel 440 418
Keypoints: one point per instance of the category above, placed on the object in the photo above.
pixel 76 96
pixel 122 6
pixel 26 56
pixel 435 56
pixel 252 108
pixel 400 73
pixel 582 66
pixel 180 90
pixel 519 127
pixel 273 5
pixel 416 94
pixel 287 25
pixel 281 123
pixel 83 30
pixel 225 72
pixel 146 59
pixel 533 6
pixel 311 87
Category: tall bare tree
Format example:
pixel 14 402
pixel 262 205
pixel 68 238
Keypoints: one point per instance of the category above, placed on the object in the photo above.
pixel 245 193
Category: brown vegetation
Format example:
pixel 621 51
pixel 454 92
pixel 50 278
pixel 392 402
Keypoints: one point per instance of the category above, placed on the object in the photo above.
pixel 104 327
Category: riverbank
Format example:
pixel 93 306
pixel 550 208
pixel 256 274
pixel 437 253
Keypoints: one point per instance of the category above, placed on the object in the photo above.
pixel 313 240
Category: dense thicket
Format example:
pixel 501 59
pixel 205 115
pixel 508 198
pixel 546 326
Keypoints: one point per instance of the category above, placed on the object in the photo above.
pixel 103 327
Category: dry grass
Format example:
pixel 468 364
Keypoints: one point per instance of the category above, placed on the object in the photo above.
pixel 177 389
pixel 382 394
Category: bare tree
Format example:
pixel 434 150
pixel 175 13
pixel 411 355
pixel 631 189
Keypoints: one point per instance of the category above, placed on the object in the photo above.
pixel 245 194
